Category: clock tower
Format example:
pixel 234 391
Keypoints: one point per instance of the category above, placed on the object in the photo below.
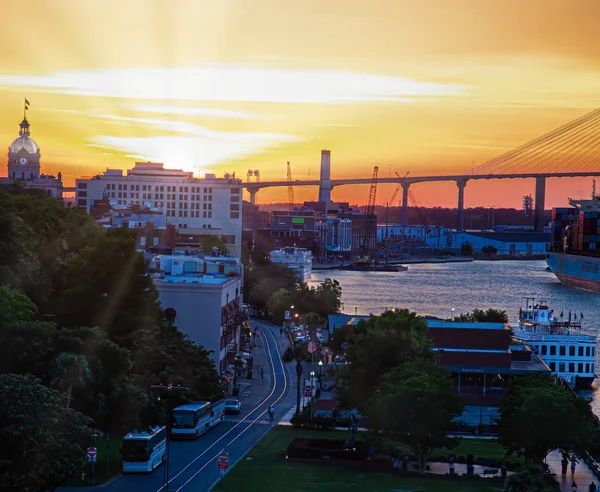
pixel 24 156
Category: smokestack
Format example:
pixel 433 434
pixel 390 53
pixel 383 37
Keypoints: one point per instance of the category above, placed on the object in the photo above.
pixel 325 179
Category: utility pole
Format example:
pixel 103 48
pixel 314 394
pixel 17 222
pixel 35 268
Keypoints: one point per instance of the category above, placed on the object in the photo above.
pixel 168 391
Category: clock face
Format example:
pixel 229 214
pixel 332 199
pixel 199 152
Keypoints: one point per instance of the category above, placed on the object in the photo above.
pixel 23 160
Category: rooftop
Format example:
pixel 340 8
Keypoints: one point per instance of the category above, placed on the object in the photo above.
pixel 464 325
pixel 191 278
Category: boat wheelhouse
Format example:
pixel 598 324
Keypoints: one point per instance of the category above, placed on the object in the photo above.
pixel 559 342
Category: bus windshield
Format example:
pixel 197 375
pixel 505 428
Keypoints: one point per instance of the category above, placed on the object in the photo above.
pixel 135 450
pixel 183 419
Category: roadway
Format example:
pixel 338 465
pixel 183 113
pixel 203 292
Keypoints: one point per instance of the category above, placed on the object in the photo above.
pixel 193 464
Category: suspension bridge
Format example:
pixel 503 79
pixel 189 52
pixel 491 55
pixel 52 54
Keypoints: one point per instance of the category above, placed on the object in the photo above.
pixel 572 150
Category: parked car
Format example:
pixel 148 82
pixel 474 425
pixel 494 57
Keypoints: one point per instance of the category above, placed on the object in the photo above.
pixel 233 406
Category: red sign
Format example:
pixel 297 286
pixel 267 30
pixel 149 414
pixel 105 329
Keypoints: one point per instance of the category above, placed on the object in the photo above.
pixel 307 392
pixel 91 452
pixel 223 461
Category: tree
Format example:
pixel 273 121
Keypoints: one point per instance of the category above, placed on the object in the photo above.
pixel 489 250
pixel 263 278
pixel 72 370
pixel 279 303
pixel 466 249
pixel 328 297
pixel 484 316
pixel 15 306
pixel 43 443
pixel 379 344
pixel 211 241
pixel 107 285
pixel 414 405
pixel 531 479
pixel 299 354
pixel 538 415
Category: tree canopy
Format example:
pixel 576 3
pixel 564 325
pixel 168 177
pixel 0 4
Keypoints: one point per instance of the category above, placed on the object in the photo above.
pixel 490 315
pixel 378 345
pixel 43 442
pixel 538 415
pixel 414 405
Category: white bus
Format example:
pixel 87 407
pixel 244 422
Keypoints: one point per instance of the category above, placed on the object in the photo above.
pixel 144 451
pixel 194 419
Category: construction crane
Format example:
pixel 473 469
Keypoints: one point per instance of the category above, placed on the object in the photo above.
pixel 367 239
pixel 290 187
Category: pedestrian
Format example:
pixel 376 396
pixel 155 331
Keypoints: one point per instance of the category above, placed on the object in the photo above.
pixel 271 412
pixel 262 373
pixel 574 486
pixel 592 487
pixel 565 465
pixel 573 464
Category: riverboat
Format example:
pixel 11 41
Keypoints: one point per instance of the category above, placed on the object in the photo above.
pixel 559 342
pixel 299 260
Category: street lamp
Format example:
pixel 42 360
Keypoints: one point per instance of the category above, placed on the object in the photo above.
pixel 312 402
pixel 168 390
pixel 320 368
pixel 452 311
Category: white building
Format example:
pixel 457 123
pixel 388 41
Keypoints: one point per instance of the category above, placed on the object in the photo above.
pixel 506 243
pixel 299 260
pixel 209 205
pixel 205 293
pixel 24 165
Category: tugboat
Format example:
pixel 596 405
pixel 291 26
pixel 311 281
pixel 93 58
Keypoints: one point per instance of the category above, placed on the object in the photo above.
pixel 558 341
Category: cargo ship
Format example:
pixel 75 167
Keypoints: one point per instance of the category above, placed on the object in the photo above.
pixel 574 251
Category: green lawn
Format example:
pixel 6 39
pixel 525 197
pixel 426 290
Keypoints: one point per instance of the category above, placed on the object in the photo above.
pixel 264 469
pixel 107 465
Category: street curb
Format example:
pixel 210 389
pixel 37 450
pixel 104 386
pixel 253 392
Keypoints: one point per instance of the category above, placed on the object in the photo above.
pixel 114 479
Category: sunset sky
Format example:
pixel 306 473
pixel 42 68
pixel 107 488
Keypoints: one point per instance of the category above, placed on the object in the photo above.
pixel 422 86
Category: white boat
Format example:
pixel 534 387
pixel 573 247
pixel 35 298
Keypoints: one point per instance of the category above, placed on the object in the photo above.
pixel 297 259
pixel 559 342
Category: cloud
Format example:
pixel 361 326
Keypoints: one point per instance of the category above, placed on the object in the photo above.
pixel 207 113
pixel 194 145
pixel 241 83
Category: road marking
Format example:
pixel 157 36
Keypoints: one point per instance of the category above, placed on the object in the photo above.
pixel 257 418
pixel 266 344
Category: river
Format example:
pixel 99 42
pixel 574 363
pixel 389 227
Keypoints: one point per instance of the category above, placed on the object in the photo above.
pixel 438 289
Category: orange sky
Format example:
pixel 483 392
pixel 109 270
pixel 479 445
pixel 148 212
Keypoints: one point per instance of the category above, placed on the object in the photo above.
pixel 426 87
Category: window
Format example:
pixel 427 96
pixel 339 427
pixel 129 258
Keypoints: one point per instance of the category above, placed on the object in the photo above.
pixel 561 367
pixel 234 215
pixel 82 193
pixel 571 367
pixel 587 367
pixel 142 241
pixel 571 350
pixel 580 367
pixel 580 351
pixel 562 350
pixel 235 191
pixel 593 351
pixel 544 350
pixel 552 366
pixel 587 351
pixel 82 203
pixel 82 186
pixel 235 198
pixel 552 349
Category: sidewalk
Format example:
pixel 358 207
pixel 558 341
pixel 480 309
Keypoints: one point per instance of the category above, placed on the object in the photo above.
pixel 583 476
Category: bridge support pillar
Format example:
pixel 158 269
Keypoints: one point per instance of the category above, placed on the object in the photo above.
pixel 540 201
pixel 405 187
pixel 461 183
pixel 253 193
pixel 325 177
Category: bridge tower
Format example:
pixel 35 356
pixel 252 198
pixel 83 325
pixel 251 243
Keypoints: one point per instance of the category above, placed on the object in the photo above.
pixel 325 179
pixel 540 200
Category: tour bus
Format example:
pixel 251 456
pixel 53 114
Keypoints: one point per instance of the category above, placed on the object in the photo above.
pixel 194 419
pixel 144 451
